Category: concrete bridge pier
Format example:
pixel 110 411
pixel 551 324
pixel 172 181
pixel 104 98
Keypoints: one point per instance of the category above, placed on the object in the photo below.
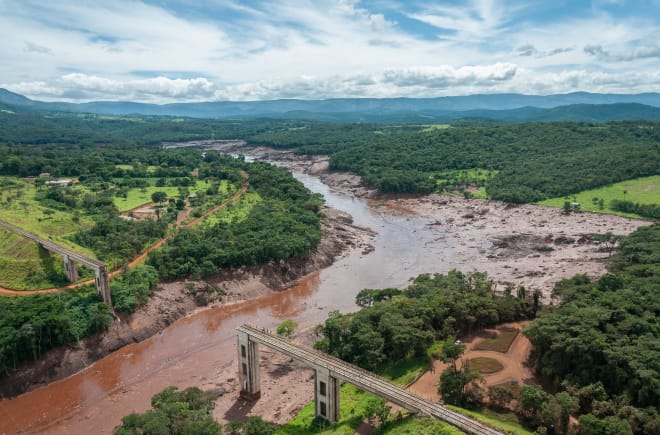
pixel 103 284
pixel 248 366
pixel 326 394
pixel 70 268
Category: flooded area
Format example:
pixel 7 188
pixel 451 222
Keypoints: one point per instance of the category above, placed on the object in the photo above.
pixel 413 236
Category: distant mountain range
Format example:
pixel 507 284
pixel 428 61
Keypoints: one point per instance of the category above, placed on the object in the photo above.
pixel 578 106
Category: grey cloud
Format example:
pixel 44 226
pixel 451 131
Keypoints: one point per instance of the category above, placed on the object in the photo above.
pixel 559 50
pixel 530 50
pixel 384 43
pixel 595 50
pixel 31 47
pixel 643 52
pixel 526 50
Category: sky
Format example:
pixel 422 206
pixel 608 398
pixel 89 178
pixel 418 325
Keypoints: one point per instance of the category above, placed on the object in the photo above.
pixel 164 51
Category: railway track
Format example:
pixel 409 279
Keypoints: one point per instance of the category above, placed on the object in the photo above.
pixel 367 381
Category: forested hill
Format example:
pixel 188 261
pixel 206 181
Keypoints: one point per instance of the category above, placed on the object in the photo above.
pixel 522 162
pixel 579 106
pixel 525 162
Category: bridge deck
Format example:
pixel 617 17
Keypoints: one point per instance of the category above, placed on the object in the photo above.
pixel 367 381
pixel 54 247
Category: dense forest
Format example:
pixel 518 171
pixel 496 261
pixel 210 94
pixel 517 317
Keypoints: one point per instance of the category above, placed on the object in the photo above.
pixel 187 412
pixel 395 326
pixel 529 161
pixel 284 224
pixel 605 337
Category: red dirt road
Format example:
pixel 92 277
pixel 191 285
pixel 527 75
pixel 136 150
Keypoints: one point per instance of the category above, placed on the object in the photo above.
pixel 137 260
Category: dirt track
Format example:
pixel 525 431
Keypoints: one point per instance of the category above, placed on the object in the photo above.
pixel 140 258
pixel 514 363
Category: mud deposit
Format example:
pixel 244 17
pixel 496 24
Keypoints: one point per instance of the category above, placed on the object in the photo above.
pixel 530 245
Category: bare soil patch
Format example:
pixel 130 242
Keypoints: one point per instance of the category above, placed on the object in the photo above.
pixel 286 386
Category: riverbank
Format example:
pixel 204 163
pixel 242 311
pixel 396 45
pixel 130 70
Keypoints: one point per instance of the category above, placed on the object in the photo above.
pixel 173 300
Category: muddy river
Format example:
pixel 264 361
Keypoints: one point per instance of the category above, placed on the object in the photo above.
pixel 197 348
pixel 200 349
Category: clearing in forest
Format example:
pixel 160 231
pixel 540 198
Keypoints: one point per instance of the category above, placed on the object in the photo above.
pixel 645 190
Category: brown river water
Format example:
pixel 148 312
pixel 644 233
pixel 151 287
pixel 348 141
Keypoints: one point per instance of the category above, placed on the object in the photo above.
pixel 197 349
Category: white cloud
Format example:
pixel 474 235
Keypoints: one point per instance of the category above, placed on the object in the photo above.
pixel 447 76
pixel 82 87
pixel 314 49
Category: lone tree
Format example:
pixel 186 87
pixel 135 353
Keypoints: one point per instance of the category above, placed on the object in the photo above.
pixel 158 196
pixel 286 328
pixel 451 351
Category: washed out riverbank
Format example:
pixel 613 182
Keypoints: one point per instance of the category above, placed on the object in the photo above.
pixel 413 235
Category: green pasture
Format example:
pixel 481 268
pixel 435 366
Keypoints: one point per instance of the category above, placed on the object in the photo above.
pixel 139 196
pixel 485 365
pixel 24 265
pixel 235 211
pixel 19 207
pixel 644 190
pixel 150 169
pixel 411 425
pixel 506 422
pixel 354 402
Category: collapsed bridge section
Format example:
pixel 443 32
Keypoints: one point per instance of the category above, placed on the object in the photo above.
pixel 329 372
pixel 71 259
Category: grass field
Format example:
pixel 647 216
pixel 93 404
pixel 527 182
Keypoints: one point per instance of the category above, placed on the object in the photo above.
pixel 150 169
pixel 506 422
pixel 642 190
pixel 404 372
pixel 353 403
pixel 500 343
pixel 140 196
pixel 485 366
pixel 235 211
pixel 23 264
pixel 19 207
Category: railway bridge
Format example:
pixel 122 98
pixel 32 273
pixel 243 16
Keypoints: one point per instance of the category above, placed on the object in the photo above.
pixel 71 259
pixel 329 372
